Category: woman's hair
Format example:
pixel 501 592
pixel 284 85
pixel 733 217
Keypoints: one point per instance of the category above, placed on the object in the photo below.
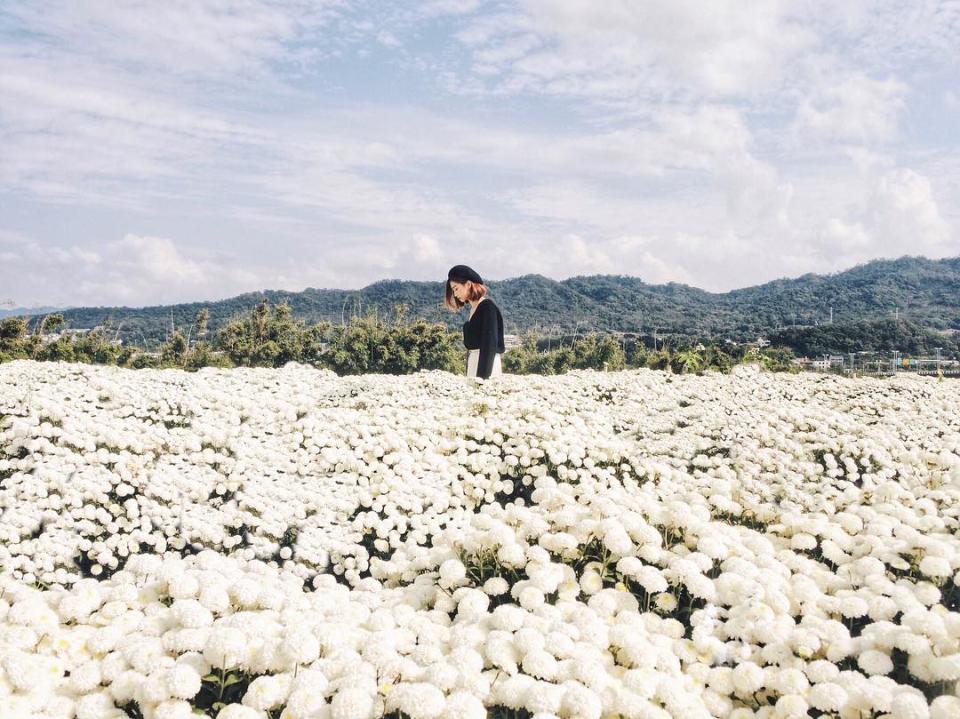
pixel 475 291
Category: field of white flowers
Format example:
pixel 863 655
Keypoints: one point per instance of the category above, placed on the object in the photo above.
pixel 264 544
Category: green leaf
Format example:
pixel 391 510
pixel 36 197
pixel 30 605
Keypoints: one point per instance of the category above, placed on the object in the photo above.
pixel 212 678
pixel 232 679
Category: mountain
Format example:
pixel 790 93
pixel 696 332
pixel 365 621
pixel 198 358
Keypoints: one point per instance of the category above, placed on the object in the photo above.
pixel 21 311
pixel 927 292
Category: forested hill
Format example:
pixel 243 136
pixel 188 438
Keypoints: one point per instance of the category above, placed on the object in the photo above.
pixel 927 292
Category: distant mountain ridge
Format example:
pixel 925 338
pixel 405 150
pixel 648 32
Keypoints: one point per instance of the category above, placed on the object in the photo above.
pixel 20 311
pixel 925 291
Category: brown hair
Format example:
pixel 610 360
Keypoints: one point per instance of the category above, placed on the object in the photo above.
pixel 475 291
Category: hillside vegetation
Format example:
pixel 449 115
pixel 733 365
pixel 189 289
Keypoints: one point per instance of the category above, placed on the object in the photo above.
pixel 927 292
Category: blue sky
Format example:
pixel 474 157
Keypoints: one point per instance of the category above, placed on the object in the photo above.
pixel 155 152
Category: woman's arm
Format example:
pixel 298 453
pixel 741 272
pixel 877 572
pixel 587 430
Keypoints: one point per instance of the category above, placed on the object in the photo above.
pixel 489 329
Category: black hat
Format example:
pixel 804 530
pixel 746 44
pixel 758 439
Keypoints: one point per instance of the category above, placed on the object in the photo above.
pixel 462 272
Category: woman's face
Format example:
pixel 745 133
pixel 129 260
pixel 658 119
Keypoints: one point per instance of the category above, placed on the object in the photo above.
pixel 459 290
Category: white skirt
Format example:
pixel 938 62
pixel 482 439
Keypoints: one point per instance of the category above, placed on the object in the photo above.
pixel 473 360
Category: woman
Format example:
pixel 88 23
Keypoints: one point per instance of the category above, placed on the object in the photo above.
pixel 483 330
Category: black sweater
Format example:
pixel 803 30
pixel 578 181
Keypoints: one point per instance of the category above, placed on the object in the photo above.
pixel 484 332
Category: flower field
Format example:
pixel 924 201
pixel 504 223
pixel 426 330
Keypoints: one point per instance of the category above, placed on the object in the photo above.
pixel 266 544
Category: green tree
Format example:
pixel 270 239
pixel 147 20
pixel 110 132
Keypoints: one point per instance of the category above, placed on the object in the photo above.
pixel 174 350
pixel 688 361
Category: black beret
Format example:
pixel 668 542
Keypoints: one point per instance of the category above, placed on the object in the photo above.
pixel 462 272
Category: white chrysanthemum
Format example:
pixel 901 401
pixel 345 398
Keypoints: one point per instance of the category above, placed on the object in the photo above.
pixel 239 711
pixel 590 582
pixel 452 572
pixel 418 700
pixel 306 703
pixel 539 663
pixel 579 701
pixel 352 703
pixel 215 598
pixel 945 668
pixel 945 707
pixel 936 567
pixel 512 555
pixel 909 705
pixel 618 541
pixel 853 607
pixel 791 706
pixel 472 605
pixel 85 678
pixel 464 705
pixel 820 671
pixel 495 586
pixel 666 602
pixel 827 696
pixel 543 698
pixel 183 586
pixel 183 681
pixel 98 705
pixel 302 647
pixel 531 598
pixel 174 709
pixel 747 678
pixel 226 647
pixel 873 661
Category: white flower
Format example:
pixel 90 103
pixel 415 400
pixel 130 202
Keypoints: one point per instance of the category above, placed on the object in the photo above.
pixel 452 572
pixel 936 567
pixel 908 705
pixel 791 706
pixel 827 696
pixel 417 700
pixel 85 678
pixel 853 606
pixel 530 598
pixel 238 711
pixel 98 705
pixel 496 586
pixel 183 681
pixel 174 709
pixel 578 701
pixel 873 661
pixel 617 540
pixel 747 678
pixel 666 602
pixel 464 705
pixel 945 707
pixel 539 663
pixel 352 703
pixel 306 703
pixel 590 582
pixel 946 668
pixel 542 698
pixel 226 647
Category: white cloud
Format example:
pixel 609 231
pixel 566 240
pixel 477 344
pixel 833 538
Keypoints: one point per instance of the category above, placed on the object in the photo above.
pixel 905 217
pixel 856 108
pixel 196 38
pixel 619 48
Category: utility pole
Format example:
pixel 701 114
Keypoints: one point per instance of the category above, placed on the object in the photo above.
pixel 896 314
pixel 938 360
pixel 831 314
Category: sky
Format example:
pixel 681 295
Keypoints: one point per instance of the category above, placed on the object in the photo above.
pixel 162 151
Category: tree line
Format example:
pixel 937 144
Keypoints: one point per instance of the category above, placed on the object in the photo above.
pixel 927 292
pixel 271 336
